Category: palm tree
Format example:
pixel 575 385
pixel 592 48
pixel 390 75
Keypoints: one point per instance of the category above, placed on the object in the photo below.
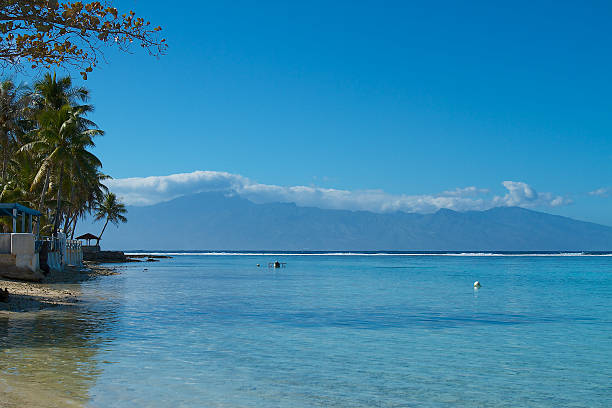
pixel 53 93
pixel 62 142
pixel 111 209
pixel 45 151
pixel 14 101
pixel 86 190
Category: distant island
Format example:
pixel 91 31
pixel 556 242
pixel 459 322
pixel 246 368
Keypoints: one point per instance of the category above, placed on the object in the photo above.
pixel 216 221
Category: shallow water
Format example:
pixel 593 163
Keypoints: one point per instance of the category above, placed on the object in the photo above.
pixel 329 331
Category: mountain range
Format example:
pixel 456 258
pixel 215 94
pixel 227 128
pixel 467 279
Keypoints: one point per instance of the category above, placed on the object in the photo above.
pixel 216 221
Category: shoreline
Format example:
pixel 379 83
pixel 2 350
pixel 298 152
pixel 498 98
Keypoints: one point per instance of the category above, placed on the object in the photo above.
pixel 52 291
pixel 56 293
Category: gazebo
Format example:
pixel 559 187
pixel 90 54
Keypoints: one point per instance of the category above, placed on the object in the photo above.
pixel 15 210
pixel 88 237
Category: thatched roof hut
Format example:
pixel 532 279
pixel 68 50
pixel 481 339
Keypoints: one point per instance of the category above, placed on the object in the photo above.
pixel 88 237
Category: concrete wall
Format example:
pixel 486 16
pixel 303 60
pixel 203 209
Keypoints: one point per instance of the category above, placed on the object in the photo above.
pixel 54 260
pixel 21 261
pixel 5 243
pixel 7 261
pixel 24 263
pixel 22 246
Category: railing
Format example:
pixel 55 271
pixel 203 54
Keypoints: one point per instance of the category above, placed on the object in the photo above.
pixel 54 244
pixel 60 251
pixel 73 244
pixel 74 252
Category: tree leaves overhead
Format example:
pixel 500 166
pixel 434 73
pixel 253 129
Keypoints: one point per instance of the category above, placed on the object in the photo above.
pixel 48 33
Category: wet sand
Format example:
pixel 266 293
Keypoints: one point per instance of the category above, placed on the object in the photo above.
pixel 16 394
pixel 42 380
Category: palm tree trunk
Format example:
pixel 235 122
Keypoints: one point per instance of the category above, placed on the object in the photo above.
pixel 100 236
pixel 58 206
pixel 76 218
pixel 71 210
pixel 44 190
pixel 42 196
pixel 67 221
pixel 4 154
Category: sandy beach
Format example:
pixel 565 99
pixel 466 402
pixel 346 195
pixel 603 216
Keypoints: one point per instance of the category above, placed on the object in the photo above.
pixel 51 292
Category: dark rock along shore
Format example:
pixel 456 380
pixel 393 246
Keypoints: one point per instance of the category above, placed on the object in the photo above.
pixel 118 257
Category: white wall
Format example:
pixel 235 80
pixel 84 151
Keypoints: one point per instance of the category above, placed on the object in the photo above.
pixel 22 246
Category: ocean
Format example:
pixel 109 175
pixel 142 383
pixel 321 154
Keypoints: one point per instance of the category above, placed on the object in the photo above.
pixel 339 330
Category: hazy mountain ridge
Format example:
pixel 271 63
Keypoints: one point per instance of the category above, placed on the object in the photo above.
pixel 215 221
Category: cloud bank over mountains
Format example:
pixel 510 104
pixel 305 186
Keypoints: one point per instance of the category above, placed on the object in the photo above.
pixel 143 191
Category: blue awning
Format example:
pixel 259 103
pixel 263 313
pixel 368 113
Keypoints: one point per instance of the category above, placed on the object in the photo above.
pixel 7 209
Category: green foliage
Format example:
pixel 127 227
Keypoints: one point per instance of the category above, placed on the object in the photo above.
pixel 45 146
pixel 111 209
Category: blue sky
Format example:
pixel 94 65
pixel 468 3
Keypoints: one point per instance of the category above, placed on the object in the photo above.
pixel 410 99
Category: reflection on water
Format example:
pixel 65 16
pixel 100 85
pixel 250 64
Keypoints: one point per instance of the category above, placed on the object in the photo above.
pixel 48 358
pixel 327 332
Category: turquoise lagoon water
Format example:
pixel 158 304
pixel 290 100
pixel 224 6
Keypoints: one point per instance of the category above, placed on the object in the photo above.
pixel 326 331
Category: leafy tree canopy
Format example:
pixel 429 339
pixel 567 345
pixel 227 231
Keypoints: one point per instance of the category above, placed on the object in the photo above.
pixel 47 33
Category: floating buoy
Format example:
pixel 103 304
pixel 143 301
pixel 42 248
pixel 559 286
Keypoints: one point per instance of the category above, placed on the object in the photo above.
pixel 258 265
pixel 477 284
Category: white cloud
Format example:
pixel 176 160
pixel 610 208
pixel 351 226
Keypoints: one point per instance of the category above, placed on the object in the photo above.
pixel 155 189
pixel 465 192
pixel 150 190
pixel 601 192
pixel 523 195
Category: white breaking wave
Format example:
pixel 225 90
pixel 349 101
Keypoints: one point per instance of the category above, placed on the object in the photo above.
pixel 466 254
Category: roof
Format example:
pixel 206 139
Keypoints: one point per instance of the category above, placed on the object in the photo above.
pixel 87 236
pixel 7 209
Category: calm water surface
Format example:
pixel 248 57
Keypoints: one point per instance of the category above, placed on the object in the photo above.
pixel 326 331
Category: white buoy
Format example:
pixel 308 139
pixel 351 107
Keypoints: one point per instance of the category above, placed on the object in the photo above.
pixel 476 284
